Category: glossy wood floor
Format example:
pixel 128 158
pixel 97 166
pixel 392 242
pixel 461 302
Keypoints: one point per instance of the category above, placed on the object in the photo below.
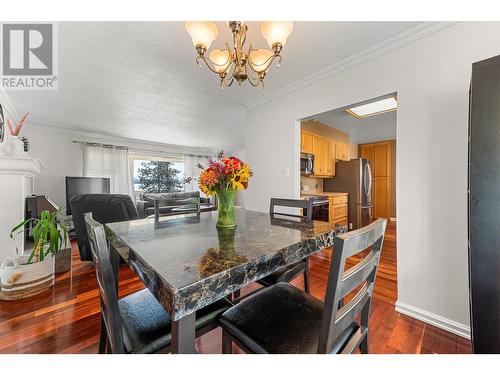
pixel 66 319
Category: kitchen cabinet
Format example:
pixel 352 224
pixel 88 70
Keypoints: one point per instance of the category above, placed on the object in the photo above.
pixel 306 142
pixel 380 156
pixel 326 153
pixel 342 151
pixel 321 151
pixel 332 153
pixel 339 211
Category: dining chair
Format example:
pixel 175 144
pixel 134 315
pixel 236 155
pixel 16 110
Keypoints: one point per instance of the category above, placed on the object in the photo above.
pixel 284 319
pixel 136 323
pixel 292 271
pixel 177 205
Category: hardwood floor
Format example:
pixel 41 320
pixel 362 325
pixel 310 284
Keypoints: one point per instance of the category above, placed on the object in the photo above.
pixel 66 319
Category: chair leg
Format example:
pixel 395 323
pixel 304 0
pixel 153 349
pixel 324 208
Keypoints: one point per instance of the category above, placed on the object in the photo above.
pixel 227 343
pixel 363 345
pixel 108 347
pixel 306 277
pixel 103 338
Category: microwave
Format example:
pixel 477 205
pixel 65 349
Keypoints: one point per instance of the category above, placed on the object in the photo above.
pixel 306 164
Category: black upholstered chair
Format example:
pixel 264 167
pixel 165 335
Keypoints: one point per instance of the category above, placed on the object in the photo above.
pixel 105 208
pixel 292 271
pixel 284 319
pixel 136 323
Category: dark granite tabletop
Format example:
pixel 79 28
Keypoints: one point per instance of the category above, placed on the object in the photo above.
pixel 187 263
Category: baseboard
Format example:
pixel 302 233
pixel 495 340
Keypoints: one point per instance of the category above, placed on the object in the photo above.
pixel 435 320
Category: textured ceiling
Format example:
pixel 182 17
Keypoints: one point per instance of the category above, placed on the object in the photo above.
pixel 139 80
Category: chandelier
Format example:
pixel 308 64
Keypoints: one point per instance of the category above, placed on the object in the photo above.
pixel 232 63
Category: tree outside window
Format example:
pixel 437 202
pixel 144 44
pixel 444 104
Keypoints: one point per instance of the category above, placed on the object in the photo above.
pixel 154 176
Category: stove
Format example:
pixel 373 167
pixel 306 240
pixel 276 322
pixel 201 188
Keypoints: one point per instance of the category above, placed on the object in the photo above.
pixel 321 206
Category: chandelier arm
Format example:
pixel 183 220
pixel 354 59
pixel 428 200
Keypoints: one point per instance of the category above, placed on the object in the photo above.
pixel 224 83
pixel 251 63
pixel 255 84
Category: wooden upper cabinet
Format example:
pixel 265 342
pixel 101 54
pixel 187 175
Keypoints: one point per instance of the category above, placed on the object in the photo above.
pixel 338 151
pixel 366 152
pixel 326 152
pixel 306 142
pixel 342 151
pixel 321 156
pixel 331 157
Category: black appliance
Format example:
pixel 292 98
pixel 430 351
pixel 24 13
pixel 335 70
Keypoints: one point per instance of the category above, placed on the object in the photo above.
pixel 85 185
pixel 306 164
pixel 355 178
pixel 484 205
pixel 321 207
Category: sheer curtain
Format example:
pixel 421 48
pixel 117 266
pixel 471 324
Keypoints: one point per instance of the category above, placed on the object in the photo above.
pixel 112 162
pixel 191 170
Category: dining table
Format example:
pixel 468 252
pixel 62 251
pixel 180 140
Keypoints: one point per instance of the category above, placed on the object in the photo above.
pixel 188 263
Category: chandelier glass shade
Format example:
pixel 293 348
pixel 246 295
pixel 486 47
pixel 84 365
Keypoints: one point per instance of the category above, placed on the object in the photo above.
pixel 233 63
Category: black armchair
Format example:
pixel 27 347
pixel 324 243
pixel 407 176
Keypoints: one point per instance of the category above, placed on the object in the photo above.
pixel 105 208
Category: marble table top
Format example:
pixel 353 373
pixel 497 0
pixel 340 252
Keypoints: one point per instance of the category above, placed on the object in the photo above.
pixel 187 263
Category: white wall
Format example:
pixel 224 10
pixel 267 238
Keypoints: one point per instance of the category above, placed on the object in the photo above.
pixel 431 77
pixel 63 158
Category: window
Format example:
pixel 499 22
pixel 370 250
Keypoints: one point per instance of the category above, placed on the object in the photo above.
pixel 154 174
pixel 374 108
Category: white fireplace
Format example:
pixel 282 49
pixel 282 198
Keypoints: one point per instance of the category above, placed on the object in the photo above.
pixel 17 176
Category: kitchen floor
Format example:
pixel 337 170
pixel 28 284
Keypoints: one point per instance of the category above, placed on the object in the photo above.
pixel 66 319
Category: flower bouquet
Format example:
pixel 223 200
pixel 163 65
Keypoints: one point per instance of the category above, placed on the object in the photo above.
pixel 224 177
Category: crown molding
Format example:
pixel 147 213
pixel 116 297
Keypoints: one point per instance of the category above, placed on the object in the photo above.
pixel 85 136
pixel 409 36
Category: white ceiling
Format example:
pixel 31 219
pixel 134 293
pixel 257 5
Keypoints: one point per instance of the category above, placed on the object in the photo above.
pixel 370 129
pixel 138 79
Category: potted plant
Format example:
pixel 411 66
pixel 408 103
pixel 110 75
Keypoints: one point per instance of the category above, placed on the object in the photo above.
pixel 24 276
pixel 224 177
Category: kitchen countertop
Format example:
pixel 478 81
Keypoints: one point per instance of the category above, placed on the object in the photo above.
pixel 325 193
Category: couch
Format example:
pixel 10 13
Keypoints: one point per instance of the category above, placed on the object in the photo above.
pixel 169 202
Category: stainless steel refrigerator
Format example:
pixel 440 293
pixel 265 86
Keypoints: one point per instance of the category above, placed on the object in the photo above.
pixel 484 205
pixel 354 177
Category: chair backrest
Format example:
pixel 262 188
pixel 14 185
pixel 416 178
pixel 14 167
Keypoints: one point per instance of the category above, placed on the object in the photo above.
pixel 337 316
pixel 306 204
pixel 180 204
pixel 105 208
pixel 110 310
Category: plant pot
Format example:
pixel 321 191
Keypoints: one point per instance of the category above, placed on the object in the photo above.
pixel 63 261
pixel 225 204
pixel 63 257
pixel 18 279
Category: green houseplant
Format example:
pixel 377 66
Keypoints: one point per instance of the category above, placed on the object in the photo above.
pixel 23 276
pixel 47 230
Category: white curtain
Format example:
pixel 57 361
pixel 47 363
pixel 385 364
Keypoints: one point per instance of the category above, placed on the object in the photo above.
pixel 112 162
pixel 191 170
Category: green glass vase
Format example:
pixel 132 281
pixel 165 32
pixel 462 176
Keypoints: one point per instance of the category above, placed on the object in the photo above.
pixel 225 204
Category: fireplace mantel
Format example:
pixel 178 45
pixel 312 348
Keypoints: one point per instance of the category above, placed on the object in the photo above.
pixel 17 175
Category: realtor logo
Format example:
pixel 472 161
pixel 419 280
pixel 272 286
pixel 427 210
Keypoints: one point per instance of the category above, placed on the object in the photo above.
pixel 29 60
